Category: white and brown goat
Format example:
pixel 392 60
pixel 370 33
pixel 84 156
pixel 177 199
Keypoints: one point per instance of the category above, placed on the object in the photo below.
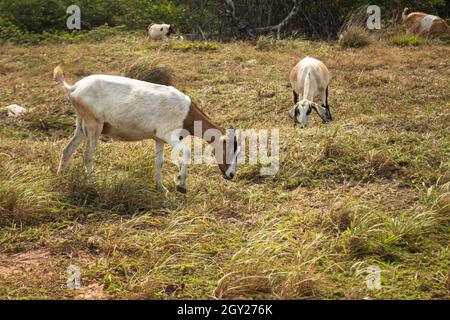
pixel 424 25
pixel 159 31
pixel 310 79
pixel 132 110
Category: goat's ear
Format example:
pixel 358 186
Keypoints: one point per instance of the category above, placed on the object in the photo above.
pixel 320 111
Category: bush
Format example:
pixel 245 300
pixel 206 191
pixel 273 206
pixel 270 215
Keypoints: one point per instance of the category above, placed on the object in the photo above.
pixel 101 33
pixel 265 43
pixel 146 69
pixel 406 41
pixel 9 33
pixel 355 37
pixel 13 34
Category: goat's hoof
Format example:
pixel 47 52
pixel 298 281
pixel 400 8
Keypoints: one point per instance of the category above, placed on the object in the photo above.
pixel 181 189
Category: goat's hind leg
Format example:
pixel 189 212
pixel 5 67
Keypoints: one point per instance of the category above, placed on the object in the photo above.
pixel 93 134
pixel 159 149
pixel 69 150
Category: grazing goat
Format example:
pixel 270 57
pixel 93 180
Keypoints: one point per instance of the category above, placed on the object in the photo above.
pixel 160 31
pixel 424 25
pixel 132 110
pixel 311 78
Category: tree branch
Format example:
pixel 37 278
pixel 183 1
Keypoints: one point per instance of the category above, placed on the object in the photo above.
pixel 294 11
pixel 242 27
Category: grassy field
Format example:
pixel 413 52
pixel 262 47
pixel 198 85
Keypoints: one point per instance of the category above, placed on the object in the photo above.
pixel 370 188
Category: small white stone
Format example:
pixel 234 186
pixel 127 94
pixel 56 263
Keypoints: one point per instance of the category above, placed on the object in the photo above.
pixel 15 110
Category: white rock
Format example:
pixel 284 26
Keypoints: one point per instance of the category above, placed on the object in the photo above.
pixel 15 110
pixel 252 62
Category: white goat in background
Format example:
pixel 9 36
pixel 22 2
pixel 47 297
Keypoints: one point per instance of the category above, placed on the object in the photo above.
pixel 310 79
pixel 160 31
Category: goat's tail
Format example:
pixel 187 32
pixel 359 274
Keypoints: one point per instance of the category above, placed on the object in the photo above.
pixel 404 16
pixel 58 76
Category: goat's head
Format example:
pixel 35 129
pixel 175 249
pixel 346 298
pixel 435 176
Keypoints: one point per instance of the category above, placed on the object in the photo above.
pixel 301 112
pixel 171 30
pixel 227 152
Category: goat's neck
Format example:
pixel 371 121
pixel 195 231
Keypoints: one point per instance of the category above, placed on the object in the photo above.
pixel 196 115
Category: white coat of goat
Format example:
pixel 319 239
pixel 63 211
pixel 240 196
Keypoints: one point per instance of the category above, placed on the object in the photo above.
pixel 160 31
pixel 132 110
pixel 310 79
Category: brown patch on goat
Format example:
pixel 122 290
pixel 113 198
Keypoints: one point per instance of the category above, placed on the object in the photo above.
pixel 439 28
pixel 196 114
pixel 413 23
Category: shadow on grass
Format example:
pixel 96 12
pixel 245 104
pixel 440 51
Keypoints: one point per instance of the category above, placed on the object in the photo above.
pixel 122 195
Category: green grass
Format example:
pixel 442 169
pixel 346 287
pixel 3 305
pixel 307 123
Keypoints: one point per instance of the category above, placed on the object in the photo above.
pixel 406 40
pixel 370 188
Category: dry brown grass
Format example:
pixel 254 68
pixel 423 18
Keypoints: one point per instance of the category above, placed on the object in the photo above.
pixel 147 69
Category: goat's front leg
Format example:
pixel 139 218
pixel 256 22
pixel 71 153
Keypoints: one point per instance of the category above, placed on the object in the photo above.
pixel 69 150
pixel 159 163
pixel 179 146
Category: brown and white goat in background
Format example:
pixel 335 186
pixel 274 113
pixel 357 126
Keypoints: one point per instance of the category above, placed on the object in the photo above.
pixel 424 25
pixel 310 79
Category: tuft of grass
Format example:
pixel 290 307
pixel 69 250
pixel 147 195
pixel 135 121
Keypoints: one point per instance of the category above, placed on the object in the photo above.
pixel 406 40
pixel 369 232
pixel 276 262
pixel 146 69
pixel 355 36
pixel 265 43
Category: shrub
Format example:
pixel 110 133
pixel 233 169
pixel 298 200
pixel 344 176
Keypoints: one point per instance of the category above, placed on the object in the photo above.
pixel 265 43
pixel 147 69
pixel 406 41
pixel 13 34
pixel 101 33
pixel 355 36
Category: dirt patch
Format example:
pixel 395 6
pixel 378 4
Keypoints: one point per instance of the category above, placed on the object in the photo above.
pixel 24 262
pixel 92 291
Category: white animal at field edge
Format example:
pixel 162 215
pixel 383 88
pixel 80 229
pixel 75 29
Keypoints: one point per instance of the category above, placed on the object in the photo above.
pixel 160 31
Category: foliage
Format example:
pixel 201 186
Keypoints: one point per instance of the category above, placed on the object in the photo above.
pixel 316 19
pixel 406 40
